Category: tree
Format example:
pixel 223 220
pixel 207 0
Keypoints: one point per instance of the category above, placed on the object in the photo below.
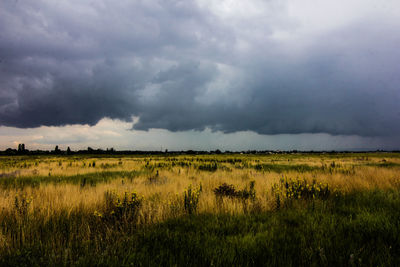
pixel 21 148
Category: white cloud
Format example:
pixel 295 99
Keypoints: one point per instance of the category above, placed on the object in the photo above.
pixel 115 133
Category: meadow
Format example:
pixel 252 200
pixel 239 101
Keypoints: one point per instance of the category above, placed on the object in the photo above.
pixel 322 209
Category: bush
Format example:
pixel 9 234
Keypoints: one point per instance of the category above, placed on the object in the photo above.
pixel 301 189
pixel 120 207
pixel 226 190
pixel 191 199
pixel 21 204
pixel 248 193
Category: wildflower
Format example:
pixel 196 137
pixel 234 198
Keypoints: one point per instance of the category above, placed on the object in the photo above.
pixel 97 214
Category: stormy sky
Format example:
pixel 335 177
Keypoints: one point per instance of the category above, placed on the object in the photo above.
pixel 257 74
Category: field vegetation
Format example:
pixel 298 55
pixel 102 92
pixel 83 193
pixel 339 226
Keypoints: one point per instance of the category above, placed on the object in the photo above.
pixel 229 209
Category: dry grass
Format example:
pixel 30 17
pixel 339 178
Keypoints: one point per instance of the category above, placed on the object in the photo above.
pixel 163 188
pixel 58 210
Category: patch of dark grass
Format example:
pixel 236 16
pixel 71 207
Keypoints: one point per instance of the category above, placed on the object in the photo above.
pixel 366 234
pixel 361 228
pixel 211 166
pixel 384 164
pixel 89 179
pixel 279 168
pixel 226 190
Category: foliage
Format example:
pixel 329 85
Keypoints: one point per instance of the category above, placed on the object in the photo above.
pixel 301 189
pixel 279 168
pixel 226 190
pixel 211 167
pixel 191 199
pixel 21 204
pixel 81 179
pixel 119 207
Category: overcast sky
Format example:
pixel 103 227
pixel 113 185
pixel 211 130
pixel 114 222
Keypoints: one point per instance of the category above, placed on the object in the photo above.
pixel 205 74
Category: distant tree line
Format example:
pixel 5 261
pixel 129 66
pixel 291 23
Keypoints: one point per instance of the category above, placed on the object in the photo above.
pixel 21 150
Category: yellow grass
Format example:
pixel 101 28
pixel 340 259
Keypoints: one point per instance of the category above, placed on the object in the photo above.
pixel 163 195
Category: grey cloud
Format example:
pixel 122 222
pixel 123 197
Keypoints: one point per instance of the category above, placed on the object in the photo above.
pixel 161 61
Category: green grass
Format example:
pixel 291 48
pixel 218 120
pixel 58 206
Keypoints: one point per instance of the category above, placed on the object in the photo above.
pixel 362 228
pixel 286 167
pixel 358 229
pixel 385 165
pixel 89 179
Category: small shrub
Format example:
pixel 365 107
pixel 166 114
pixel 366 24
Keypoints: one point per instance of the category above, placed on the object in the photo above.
pixel 21 205
pixel 124 206
pixel 248 193
pixel 301 189
pixel 226 190
pixel 191 199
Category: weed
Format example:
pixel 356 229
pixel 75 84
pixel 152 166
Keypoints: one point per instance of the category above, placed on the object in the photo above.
pixel 191 199
pixel 118 207
pixel 289 190
pixel 21 204
pixel 226 190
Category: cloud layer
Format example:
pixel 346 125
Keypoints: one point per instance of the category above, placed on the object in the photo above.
pixel 272 67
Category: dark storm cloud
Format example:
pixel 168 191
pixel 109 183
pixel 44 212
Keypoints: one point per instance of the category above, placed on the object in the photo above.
pixel 179 66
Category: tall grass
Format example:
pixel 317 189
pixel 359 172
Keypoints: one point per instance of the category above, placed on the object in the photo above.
pixel 127 210
pixel 361 228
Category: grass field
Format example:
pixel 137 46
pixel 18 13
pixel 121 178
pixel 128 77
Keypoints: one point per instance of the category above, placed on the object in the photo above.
pixel 247 210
